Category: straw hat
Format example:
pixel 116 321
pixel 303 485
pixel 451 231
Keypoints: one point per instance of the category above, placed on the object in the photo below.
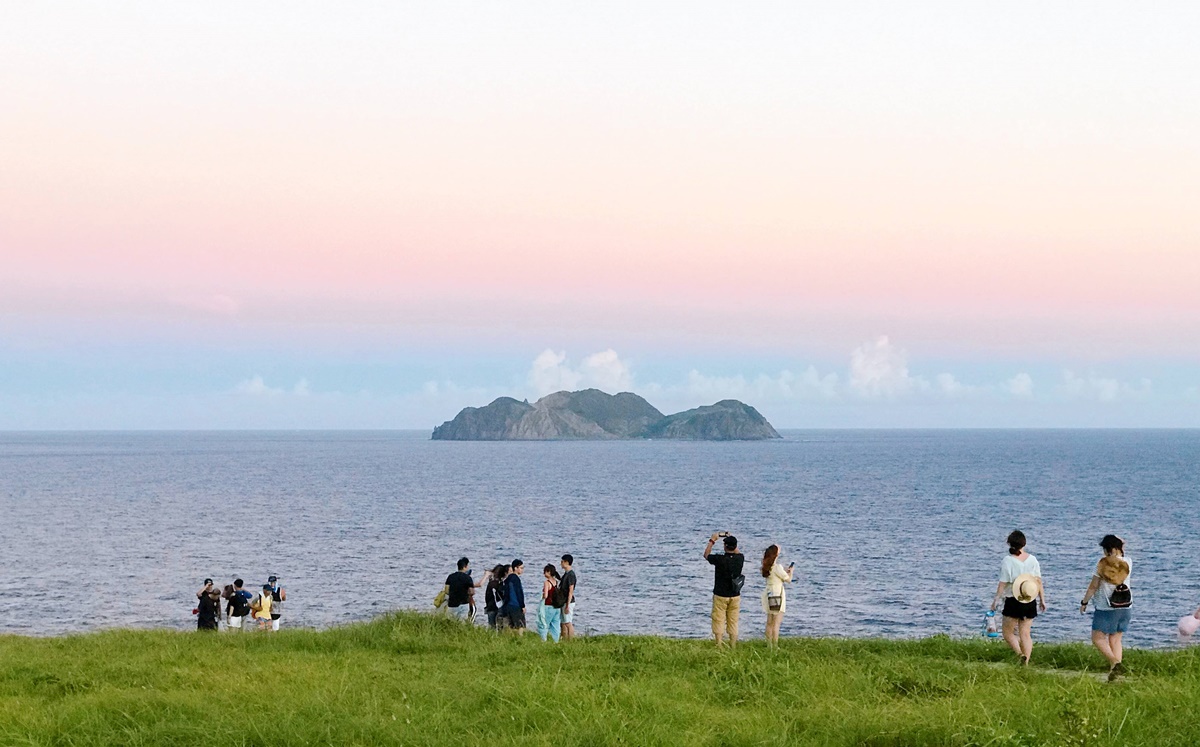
pixel 1114 570
pixel 1025 587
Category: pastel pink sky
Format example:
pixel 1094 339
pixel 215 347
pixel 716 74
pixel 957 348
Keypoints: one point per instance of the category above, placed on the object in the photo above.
pixel 981 177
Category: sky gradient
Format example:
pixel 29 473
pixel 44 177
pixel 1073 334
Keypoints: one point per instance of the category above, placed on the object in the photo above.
pixel 941 214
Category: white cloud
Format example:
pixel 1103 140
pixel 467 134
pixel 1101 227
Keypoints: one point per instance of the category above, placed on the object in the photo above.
pixel 257 387
pixel 605 370
pixel 879 369
pixel 550 373
pixel 1103 389
pixel 1020 385
pixel 950 386
pixel 785 386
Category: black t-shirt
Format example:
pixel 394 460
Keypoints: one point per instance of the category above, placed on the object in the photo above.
pixel 460 589
pixel 728 567
pixel 568 581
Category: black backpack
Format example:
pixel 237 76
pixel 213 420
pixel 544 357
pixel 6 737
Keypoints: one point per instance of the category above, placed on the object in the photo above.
pixel 1121 597
pixel 240 606
pixel 558 599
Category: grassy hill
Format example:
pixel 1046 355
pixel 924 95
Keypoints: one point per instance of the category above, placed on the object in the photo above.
pixel 415 679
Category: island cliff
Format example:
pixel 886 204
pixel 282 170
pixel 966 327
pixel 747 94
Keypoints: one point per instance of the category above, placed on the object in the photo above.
pixel 594 415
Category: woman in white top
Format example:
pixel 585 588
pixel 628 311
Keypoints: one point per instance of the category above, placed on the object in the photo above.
pixel 1018 614
pixel 1112 613
pixel 774 598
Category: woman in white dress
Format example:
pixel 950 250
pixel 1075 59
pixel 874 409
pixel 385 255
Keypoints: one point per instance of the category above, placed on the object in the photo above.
pixel 774 598
pixel 1023 594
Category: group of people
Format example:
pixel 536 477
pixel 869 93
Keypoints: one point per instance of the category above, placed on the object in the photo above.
pixel 728 581
pixel 504 597
pixel 264 607
pixel 1023 595
pixel 1020 596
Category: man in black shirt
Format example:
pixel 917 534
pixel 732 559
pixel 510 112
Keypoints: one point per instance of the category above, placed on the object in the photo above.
pixel 460 594
pixel 567 585
pixel 727 587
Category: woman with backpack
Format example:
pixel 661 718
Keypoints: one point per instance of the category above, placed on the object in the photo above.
pixel 1111 601
pixel 774 598
pixel 549 617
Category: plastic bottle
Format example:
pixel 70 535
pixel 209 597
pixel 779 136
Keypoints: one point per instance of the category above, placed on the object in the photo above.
pixel 991 624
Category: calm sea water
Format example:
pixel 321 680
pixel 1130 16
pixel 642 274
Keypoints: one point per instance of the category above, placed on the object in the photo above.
pixel 895 534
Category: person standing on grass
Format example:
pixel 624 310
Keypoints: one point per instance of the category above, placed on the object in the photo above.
pixel 514 598
pixel 567 592
pixel 548 616
pixel 278 597
pixel 237 606
pixel 1112 598
pixel 460 597
pixel 774 598
pixel 1023 594
pixel 493 595
pixel 727 587
pixel 261 605
pixel 209 607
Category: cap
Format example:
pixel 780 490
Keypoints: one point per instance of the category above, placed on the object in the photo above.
pixel 272 579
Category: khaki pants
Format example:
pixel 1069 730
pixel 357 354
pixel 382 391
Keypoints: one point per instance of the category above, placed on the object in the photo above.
pixel 725 612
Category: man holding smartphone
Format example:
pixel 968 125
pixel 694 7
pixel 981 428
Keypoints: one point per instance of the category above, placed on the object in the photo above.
pixel 727 587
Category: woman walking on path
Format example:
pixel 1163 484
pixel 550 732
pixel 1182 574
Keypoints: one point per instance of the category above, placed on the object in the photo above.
pixel 774 598
pixel 1023 593
pixel 1109 592
pixel 549 621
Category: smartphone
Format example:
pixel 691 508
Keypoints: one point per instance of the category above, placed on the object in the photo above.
pixel 722 534
pixel 791 565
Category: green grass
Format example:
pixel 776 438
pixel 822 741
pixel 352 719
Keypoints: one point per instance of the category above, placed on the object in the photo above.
pixel 415 679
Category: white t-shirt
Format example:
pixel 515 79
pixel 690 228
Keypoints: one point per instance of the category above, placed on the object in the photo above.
pixel 1010 568
pixel 1100 600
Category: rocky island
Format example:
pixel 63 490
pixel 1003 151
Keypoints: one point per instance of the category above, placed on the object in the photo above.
pixel 595 415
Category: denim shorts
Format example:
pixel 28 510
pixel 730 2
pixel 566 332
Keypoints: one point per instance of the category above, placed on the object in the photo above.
pixel 1109 622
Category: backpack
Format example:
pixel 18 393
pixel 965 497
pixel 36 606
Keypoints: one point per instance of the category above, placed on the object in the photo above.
pixel 240 606
pixel 558 597
pixel 1121 597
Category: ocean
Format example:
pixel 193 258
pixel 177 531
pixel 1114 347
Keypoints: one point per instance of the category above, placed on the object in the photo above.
pixel 895 534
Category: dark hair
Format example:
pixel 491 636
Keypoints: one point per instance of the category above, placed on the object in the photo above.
pixel 238 583
pixel 463 563
pixel 568 559
pixel 499 571
pixel 1016 542
pixel 266 586
pixel 552 570
pixel 1112 542
pixel 769 557
pixel 517 563
pixel 731 542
